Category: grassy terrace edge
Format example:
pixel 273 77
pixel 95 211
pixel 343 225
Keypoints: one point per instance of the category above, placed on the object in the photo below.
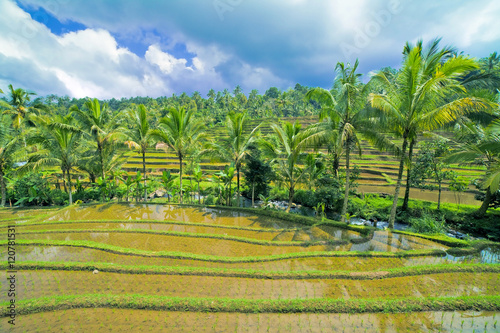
pixel 220 259
pixel 322 305
pixel 258 274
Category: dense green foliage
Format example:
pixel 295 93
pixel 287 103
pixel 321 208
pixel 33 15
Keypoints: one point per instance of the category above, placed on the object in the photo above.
pixel 80 144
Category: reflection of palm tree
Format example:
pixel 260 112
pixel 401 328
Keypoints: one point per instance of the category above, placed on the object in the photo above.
pixel 415 101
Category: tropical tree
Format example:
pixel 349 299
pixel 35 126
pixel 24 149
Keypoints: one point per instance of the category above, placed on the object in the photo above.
pixel 287 149
pixel 59 139
pixel 237 145
pixel 344 119
pixel 140 136
pixel 481 146
pixel 430 164
pixel 181 132
pixel 102 127
pixel 19 106
pixel 11 151
pixel 418 100
pixel 198 177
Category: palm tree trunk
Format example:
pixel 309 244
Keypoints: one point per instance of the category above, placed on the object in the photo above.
pixel 99 148
pixel 336 165
pixel 392 218
pixel 199 194
pixel 347 174
pixel 238 184
pixel 69 189
pixel 486 203
pixel 64 183
pixel 180 178
pixel 408 172
pixel 439 197
pixel 291 193
pixel 253 193
pixel 144 172
pixel 2 185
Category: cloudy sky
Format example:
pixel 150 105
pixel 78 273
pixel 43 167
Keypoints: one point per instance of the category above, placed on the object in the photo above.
pixel 123 48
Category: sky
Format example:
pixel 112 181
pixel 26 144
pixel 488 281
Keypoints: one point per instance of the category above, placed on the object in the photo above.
pixel 126 48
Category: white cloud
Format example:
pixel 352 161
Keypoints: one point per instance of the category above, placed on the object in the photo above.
pixel 91 63
pixel 166 62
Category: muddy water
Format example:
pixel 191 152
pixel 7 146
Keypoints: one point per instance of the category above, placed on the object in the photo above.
pixel 124 320
pixel 74 254
pixel 305 234
pixel 386 241
pixel 35 284
pixel 264 234
pixel 206 246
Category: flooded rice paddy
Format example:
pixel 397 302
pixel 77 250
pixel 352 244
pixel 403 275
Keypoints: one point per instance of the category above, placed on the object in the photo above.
pixel 117 233
pixel 125 320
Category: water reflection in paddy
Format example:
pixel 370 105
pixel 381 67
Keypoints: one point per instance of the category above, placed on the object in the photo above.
pixel 129 211
pixel 74 254
pixel 205 246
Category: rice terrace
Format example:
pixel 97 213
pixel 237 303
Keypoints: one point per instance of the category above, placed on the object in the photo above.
pixel 153 267
pixel 249 166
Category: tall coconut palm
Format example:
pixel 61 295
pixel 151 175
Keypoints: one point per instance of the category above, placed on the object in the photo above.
pixel 140 136
pixel 11 150
pixel 417 100
pixel 481 147
pixel 344 119
pixel 59 140
pixel 237 145
pixel 181 132
pixel 101 126
pixel 289 150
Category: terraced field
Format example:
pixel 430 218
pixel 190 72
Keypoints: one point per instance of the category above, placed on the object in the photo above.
pixel 132 267
pixel 378 169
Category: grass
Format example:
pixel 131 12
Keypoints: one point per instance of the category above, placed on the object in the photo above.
pixel 258 274
pixel 320 305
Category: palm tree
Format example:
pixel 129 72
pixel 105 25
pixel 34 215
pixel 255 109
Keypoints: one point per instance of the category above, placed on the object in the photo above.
pixel 482 146
pixel 344 117
pixel 237 145
pixel 59 138
pixel 101 126
pixel 20 106
pixel 10 152
pixel 140 136
pixel 417 100
pixel 290 147
pixel 180 131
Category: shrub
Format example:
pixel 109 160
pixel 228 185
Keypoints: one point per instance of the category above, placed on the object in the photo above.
pixel 427 224
pixel 32 190
pixel 59 197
